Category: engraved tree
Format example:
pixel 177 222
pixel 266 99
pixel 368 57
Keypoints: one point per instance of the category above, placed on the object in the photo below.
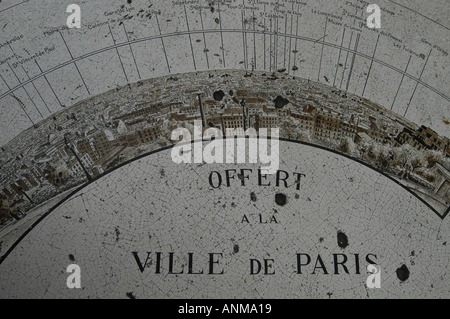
pixel 402 159
pixel 432 158
pixel 383 160
pixel 4 210
pixel 416 163
pixel 371 153
pixel 287 129
pixel 344 147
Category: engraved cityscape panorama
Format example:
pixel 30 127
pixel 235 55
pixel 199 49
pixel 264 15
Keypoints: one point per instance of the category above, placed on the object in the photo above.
pixel 81 143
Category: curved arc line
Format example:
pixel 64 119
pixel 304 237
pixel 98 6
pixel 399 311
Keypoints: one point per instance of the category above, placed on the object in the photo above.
pixel 112 47
pixel 69 196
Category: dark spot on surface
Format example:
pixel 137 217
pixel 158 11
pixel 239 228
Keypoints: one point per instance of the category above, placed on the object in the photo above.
pixel 294 68
pixel 403 273
pixel 117 234
pixel 236 249
pixel 342 240
pixel 217 20
pixel 422 56
pixel 130 295
pixel 280 102
pixel 218 95
pixel 72 257
pixel 297 196
pixel 253 197
pixel 231 93
pixel 326 79
pixel 321 239
pixel 280 199
pixel 281 70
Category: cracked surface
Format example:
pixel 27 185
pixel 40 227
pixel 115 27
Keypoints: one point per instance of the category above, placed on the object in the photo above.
pixel 137 209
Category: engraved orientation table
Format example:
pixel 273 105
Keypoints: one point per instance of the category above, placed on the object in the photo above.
pixel 146 227
pixel 155 229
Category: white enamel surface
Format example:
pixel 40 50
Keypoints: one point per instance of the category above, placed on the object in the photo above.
pixel 45 66
pixel 154 205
